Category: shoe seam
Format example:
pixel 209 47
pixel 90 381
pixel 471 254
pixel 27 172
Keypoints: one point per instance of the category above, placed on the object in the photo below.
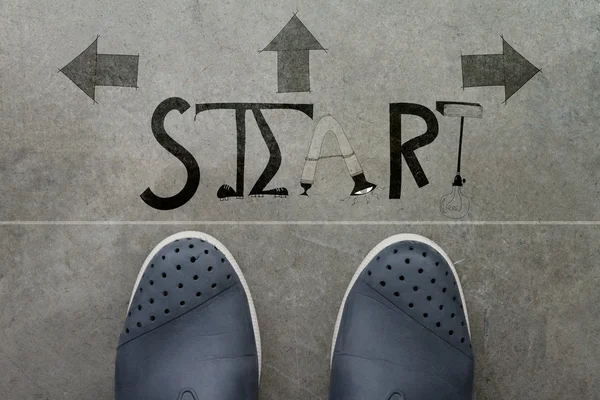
pixel 203 305
pixel 398 309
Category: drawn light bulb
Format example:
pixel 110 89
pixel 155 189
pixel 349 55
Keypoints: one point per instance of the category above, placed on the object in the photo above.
pixel 455 204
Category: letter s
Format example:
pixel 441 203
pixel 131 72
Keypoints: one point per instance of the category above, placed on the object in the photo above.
pixel 193 171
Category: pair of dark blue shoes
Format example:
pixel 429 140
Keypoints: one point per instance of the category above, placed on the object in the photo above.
pixel 191 331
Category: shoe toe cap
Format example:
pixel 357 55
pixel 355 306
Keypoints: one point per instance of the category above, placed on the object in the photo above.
pixel 181 276
pixel 419 281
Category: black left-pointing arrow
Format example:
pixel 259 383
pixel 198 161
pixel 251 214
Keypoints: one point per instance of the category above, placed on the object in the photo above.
pixel 90 69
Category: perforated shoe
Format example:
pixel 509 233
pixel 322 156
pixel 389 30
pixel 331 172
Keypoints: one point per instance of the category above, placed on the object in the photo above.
pixel 191 331
pixel 402 332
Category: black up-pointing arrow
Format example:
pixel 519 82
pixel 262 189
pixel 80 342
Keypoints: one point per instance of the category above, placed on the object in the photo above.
pixel 90 69
pixel 293 45
pixel 509 69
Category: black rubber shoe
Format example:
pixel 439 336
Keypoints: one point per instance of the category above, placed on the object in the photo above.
pixel 402 332
pixel 191 331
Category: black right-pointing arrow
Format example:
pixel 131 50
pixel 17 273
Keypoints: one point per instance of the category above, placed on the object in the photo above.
pixel 509 69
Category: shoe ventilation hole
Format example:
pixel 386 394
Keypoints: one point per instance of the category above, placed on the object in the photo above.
pixel 407 261
pixel 151 283
pixel 396 294
pixel 164 274
pixel 209 269
pixel 198 294
pixel 437 263
pixel 446 273
pixel 141 289
pixel 438 324
pixel 139 324
pixel 151 301
pixel 420 270
pixel 411 305
pixel 424 254
pixel 126 330
pixel 140 307
pixel 177 250
pixel 462 340
pixel 214 285
pixel 167 311
pixel 425 315
pixel 228 276
pixel 411 248
pixel 369 273
pixel 444 290
pixel 178 267
pixel 163 257
pixel 401 277
pixel 195 277
pixel 180 286
pixel 429 298
pixel 382 283
pixel 165 293
pixel 377 258
pixel 454 283
pixel 461 307
pixel 441 306
pixel 151 265
pixel 395 251
pixel 433 281
pixel 205 251
pixel 182 303
pixel 389 267
pixel 129 314
pixel 415 288
pixel 450 333
pixel 191 246
pixel 452 315
pixel 152 318
pixel 454 298
pixel 193 259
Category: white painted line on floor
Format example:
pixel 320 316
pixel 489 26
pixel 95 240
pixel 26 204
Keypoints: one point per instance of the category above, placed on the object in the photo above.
pixel 351 223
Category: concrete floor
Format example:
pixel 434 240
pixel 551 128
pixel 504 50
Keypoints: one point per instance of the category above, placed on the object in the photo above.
pixel 531 293
pixel 74 231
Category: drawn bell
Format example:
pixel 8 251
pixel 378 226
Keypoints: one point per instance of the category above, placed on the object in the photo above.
pixel 361 185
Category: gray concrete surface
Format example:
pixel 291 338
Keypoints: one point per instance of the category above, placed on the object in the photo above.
pixel 74 231
pixel 531 294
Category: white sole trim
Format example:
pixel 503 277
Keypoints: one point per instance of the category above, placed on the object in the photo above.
pixel 229 256
pixel 403 237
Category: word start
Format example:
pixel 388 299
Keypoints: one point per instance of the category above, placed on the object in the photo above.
pixel 325 125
